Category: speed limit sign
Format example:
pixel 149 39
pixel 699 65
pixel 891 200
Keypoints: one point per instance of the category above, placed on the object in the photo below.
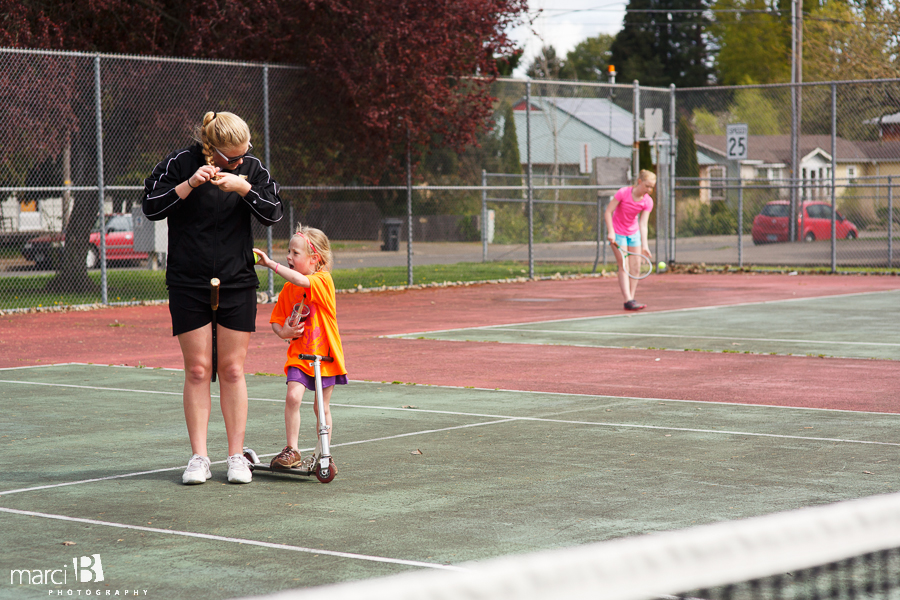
pixel 736 141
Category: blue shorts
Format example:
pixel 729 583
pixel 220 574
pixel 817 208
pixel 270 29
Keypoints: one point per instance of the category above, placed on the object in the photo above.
pixel 295 374
pixel 629 241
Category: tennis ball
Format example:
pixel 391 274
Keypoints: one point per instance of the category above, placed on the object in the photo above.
pixel 661 266
pixel 255 257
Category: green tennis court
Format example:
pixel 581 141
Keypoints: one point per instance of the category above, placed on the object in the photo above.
pixel 429 477
pixel 847 326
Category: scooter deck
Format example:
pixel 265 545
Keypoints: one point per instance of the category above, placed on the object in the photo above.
pixel 286 471
pixel 307 469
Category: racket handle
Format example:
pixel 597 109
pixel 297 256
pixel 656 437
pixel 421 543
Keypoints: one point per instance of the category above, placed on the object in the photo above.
pixel 214 293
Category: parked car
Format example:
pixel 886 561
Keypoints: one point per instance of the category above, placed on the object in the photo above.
pixel 46 250
pixel 771 225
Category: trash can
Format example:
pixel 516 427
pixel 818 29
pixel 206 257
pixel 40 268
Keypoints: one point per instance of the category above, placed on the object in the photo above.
pixel 390 233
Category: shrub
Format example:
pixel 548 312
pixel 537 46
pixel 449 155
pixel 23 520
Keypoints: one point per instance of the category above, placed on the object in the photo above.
pixel 700 218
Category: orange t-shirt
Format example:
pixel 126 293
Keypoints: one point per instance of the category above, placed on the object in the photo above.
pixel 321 335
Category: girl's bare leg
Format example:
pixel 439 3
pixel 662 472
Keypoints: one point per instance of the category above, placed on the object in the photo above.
pixel 292 412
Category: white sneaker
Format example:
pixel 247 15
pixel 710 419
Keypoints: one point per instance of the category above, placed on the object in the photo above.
pixel 197 470
pixel 239 469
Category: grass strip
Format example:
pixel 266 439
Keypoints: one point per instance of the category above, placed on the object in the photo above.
pixel 133 286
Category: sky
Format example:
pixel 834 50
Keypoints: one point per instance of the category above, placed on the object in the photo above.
pixel 564 23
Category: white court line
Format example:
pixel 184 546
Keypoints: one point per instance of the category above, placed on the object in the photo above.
pixel 693 337
pixel 178 468
pixel 459 387
pixel 506 418
pixel 616 316
pixel 93 387
pixel 468 388
pixel 498 420
pixel 598 396
pixel 80 364
pixel 35 366
pixel 220 538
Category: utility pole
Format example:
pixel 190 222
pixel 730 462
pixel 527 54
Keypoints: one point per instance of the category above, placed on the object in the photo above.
pixel 796 109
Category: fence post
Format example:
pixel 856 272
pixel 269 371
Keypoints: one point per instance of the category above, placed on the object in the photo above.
pixel 409 215
pixel 484 216
pixel 101 187
pixel 661 192
pixel 833 165
pixel 796 76
pixel 890 222
pixel 740 222
pixel 269 165
pixel 636 121
pixel 599 232
pixel 529 176
pixel 673 156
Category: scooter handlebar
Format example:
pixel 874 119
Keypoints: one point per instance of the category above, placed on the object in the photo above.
pixel 315 356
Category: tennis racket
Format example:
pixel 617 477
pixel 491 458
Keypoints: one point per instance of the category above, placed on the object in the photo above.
pixel 637 266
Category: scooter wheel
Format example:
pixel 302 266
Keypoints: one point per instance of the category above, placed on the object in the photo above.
pixel 326 475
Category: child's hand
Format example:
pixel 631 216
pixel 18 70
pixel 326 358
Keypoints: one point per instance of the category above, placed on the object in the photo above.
pixel 264 260
pixel 292 333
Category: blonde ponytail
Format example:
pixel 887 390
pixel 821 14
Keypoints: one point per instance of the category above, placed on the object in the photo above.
pixel 221 130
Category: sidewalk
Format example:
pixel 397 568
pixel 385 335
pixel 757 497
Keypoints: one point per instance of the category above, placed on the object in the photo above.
pixel 441 253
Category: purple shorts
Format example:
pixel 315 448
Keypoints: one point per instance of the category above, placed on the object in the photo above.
pixel 295 374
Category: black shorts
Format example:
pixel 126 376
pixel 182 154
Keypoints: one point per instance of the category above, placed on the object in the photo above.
pixel 190 309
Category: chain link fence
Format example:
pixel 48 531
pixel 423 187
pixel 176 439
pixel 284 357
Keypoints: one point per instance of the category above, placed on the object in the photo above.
pixel 532 190
pixel 754 208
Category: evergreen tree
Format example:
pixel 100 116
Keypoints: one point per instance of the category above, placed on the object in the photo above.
pixel 589 60
pixel 660 48
pixel 645 158
pixel 509 142
pixel 686 164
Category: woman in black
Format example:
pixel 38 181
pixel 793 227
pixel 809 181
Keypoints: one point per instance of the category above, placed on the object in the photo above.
pixel 209 192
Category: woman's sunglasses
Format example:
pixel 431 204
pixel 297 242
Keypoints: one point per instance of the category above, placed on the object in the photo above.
pixel 231 161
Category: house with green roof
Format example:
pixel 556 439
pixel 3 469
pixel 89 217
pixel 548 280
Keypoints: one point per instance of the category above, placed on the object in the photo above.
pixel 568 133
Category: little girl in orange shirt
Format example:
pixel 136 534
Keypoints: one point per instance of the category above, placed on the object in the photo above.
pixel 308 280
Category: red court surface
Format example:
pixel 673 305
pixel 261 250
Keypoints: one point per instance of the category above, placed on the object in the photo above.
pixel 142 336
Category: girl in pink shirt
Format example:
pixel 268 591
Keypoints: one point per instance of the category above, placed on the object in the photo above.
pixel 627 217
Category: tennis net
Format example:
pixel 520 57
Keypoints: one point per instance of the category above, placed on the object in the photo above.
pixel 843 550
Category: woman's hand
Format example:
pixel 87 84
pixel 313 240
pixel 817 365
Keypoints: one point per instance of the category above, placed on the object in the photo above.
pixel 229 182
pixel 203 174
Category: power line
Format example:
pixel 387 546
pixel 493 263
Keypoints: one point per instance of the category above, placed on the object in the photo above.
pixel 806 16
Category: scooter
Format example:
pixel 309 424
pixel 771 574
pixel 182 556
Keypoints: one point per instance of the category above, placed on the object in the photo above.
pixel 321 465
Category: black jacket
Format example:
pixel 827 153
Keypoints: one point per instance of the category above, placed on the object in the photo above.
pixel 209 231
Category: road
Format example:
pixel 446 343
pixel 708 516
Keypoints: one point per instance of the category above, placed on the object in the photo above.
pixel 711 250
